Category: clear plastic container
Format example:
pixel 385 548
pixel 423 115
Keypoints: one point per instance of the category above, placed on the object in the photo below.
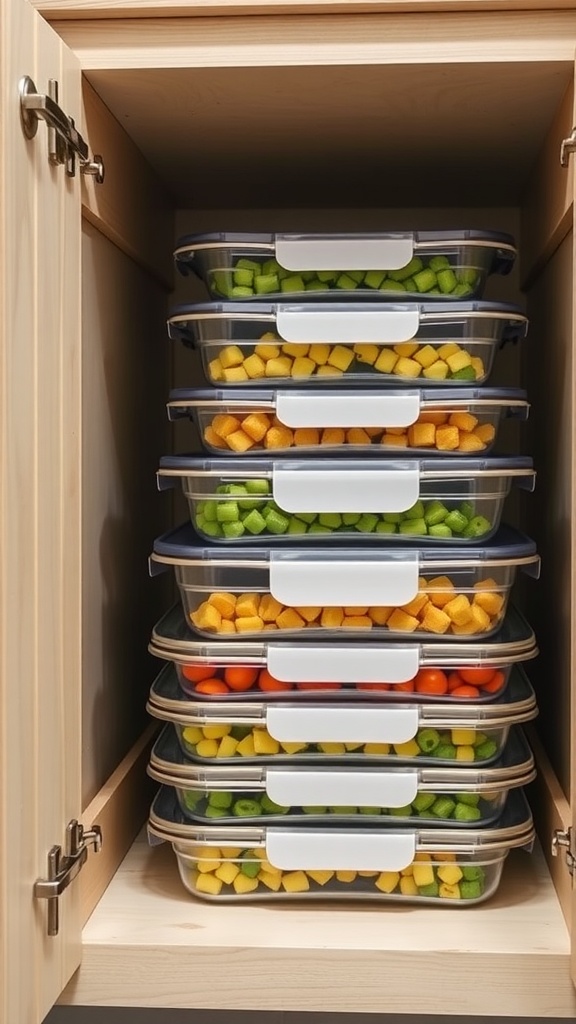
pixel 397 265
pixel 435 866
pixel 221 670
pixel 295 501
pixel 457 797
pixel 367 591
pixel 336 344
pixel 444 421
pixel 280 732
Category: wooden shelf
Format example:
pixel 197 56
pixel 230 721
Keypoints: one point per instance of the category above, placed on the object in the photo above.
pixel 149 944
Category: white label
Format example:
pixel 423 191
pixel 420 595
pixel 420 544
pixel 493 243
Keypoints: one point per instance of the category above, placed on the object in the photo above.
pixel 342 724
pixel 302 253
pixel 348 788
pixel 348 409
pixel 384 581
pixel 347 327
pixel 375 489
pixel 338 851
pixel 343 664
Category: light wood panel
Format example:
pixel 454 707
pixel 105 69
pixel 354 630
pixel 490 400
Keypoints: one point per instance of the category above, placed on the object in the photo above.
pixel 149 944
pixel 40 461
pixel 551 811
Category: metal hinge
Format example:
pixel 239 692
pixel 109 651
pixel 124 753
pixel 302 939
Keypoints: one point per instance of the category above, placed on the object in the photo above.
pixel 568 146
pixel 566 840
pixel 63 869
pixel 65 143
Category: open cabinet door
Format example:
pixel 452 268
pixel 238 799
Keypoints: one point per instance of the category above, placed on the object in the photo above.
pixel 39 521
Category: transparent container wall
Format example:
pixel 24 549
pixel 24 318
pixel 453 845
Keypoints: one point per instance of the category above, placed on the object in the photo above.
pixel 462 808
pixel 225 742
pixel 206 681
pixel 245 430
pixel 236 601
pixel 237 873
pixel 452 512
pixel 440 272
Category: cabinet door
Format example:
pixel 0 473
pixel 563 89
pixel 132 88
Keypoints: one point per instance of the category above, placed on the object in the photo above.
pixel 39 521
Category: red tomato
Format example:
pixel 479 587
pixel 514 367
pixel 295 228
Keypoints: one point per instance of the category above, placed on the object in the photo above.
pixel 476 676
pixel 495 684
pixel 211 687
pixel 454 680
pixel 241 678
pixel 407 687
pixel 431 680
pixel 319 686
pixel 195 673
pixel 373 686
pixel 267 682
pixel 465 691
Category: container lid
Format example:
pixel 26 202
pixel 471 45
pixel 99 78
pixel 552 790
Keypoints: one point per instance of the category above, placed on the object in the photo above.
pixel 515 828
pixel 515 767
pixel 375 722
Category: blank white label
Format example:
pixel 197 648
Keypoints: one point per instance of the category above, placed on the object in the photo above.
pixel 382 582
pixel 350 409
pixel 301 253
pixel 338 851
pixel 341 788
pixel 377 489
pixel 347 326
pixel 342 724
pixel 333 664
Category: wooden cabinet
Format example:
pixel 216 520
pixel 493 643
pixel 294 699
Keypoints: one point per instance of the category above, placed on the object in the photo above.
pixel 384 118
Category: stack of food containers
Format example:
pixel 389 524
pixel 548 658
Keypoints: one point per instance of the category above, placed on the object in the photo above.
pixel 344 680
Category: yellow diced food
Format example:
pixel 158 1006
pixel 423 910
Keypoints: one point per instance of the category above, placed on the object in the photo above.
pixel 307 437
pixel 267 351
pixel 292 746
pixel 440 591
pixel 400 622
pixel 229 852
pixel 290 619
pixel 449 892
pixel 463 420
pixel 366 353
pixel 239 441
pixel 377 749
pixel 447 439
pixel 224 602
pixel 231 356
pixel 406 348
pixel 353 609
pixel 320 877
pixel 380 615
pixel 209 884
pixel 270 627
pixel 303 367
pixel 227 872
pixel 435 620
pixel 244 885
pixel 223 424
pixel 319 353
pixel 408 749
pixel 207 617
pixel 486 432
pixel 470 443
pixel 444 858
pixel 465 737
pixel 480 617
pixel 192 734
pixel 264 743
pixel 356 622
pixel 368 874
pixel 459 610
pixel 249 624
pixel 386 361
pixel 207 748
pixel 423 874
pixel 488 584
pixel 247 605
pixel 341 357
pixel 331 618
pixel 449 349
pixel 228 747
pixel 387 881
pixel 400 431
pixel 310 614
pixel 296 349
pixel 346 876
pixel 468 629
pixel 415 605
pixel 246 746
pixel 328 371
pixel 280 367
pixel 422 435
pixel 332 748
pixel 436 371
pixel 464 753
pixel 295 881
pixel 458 361
pixel 357 436
pixel 490 603
pixel 437 418
pixel 449 873
pixel 408 886
pixel 235 375
pixel 256 425
pixel 271 881
pixel 333 436
pixel 353 746
pixel 269 608
pixel 215 370
pixel 255 367
pixel 212 438
pixel 390 440
pixel 407 368
pixel 279 437
pixel 426 356
pixel 227 626
pixel 477 366
pixel 408 871
pixel 216 732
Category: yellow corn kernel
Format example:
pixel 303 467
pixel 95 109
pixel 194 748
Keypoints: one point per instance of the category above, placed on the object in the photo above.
pixel 464 753
pixel 209 884
pixel 303 367
pixel 464 421
pixel 228 746
pixel 216 732
pixel 386 361
pixel 346 876
pixel 390 440
pixel 246 746
pixel 266 351
pixel 279 437
pixel 447 439
pixel 272 882
pixel 264 743
pixel 423 874
pixel 357 622
pixel 319 354
pixel 331 618
pixel 231 356
pixel 307 437
pixel 224 602
pixel 459 610
pixel 490 603
pixel 341 357
pixel 449 349
pixel 269 608
pixel 422 435
pixel 255 367
pixel 366 353
pixel 408 749
pixel 449 892
pixel 440 591
pixel 215 370
pixel 239 441
pixel 227 626
pixel 380 615
pixel 357 436
pixel 290 619
pixel 406 348
pixel 436 371
pixel 333 436
pixel 249 624
pixel 408 886
pixel 407 368
pixel 247 605
pixel 377 749
pixel 293 746
pixel 480 617
pixel 449 873
pixel 387 881
pixel 192 734
pixel 426 356
pixel 328 371
pixel 295 881
pixel 477 366
pixel 207 748
pixel 224 424
pixel 415 605
pixel 332 748
pixel 401 622
pixel 235 375
pixel 256 425
pixel 211 437
pixel 320 877
pixel 458 361
pixel 437 418
pixel 309 614
pixel 227 872
pixel 244 885
pixel 207 617
pixel 435 620
pixel 281 367
pixel 486 432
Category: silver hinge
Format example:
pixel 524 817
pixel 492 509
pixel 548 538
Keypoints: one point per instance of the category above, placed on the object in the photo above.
pixel 568 146
pixel 565 840
pixel 65 143
pixel 62 869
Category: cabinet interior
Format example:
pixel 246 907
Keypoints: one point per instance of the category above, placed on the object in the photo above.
pixel 310 148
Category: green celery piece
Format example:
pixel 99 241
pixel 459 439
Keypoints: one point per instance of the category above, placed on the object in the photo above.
pixel 423 802
pixel 217 798
pixel 244 808
pixel 472 799
pixel 367 523
pixel 266 284
pixel 257 486
pixel 315 286
pixel 212 529
pixel 316 528
pixel 447 281
pixel 241 292
pixel 331 519
pixel 393 517
pixel 471 890
pixel 244 264
pixel 415 512
pixel 244 278
pixel 270 807
pixel 432 889
pixel 233 530
pixel 227 512
pixel 391 285
pixel 416 527
pixel 277 523
pixel 440 530
pixel 307 517
pixel 466 508
pixel 411 268
pixel 356 275
pixel 485 750
pixel 401 812
pixel 215 812
pixel 192 798
pixel 456 521
pixel 425 280
pixel 294 283
pixel 477 527
pixel 351 518
pixel 386 528
pixel 346 283
pixel 463 812
pixel 466 373
pixel 297 527
pixel 444 806
pixel 250 867
pixel 435 512
pixel 374 278
pixel 327 276
pixel 437 263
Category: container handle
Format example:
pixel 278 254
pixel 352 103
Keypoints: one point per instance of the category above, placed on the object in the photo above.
pixel 368 724
pixel 351 409
pixel 317 252
pixel 341 788
pixel 382 581
pixel 376 326
pixel 298 487
pixel 367 664
pixel 340 851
